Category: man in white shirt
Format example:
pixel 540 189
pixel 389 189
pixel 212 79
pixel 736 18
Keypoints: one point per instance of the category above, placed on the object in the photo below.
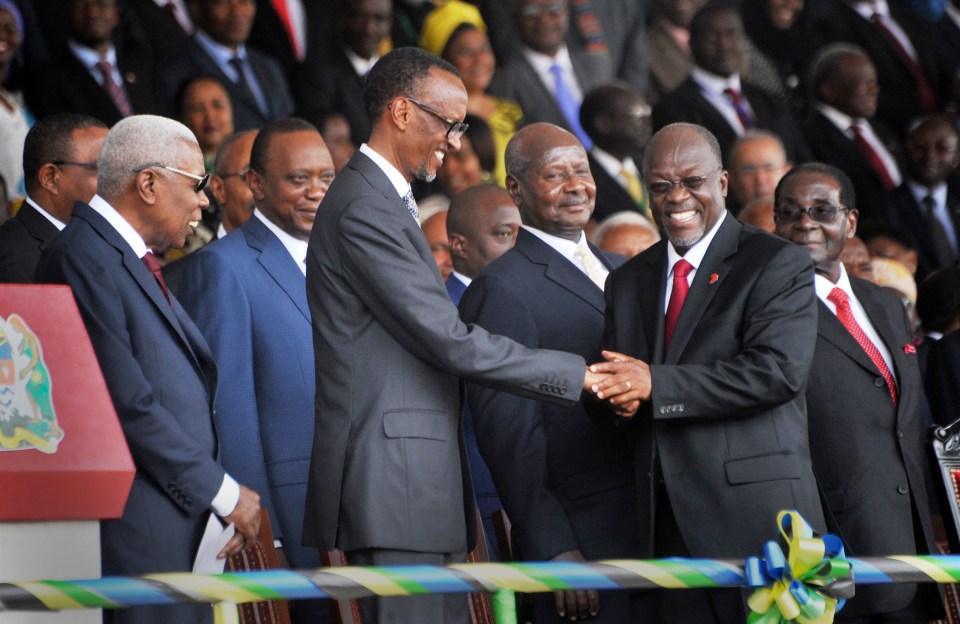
pixel 156 365
pixel 60 168
pixel 247 294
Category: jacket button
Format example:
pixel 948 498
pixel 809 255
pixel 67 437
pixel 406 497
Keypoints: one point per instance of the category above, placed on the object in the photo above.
pixel 879 382
pixel 902 489
pixel 563 390
pixel 663 410
pixel 543 386
pixel 681 408
pixel 899 433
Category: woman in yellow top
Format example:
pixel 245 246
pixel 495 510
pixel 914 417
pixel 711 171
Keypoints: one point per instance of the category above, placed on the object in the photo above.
pixel 455 32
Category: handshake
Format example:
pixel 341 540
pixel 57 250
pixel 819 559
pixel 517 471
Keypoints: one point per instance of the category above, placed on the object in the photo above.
pixel 621 381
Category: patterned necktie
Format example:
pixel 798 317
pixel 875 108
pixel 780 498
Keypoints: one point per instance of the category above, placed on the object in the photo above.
pixel 569 105
pixel 411 205
pixel 736 100
pixel 845 316
pixel 937 234
pixel 677 296
pixel 927 96
pixel 875 161
pixel 590 265
pixel 154 266
pixel 635 190
pixel 115 91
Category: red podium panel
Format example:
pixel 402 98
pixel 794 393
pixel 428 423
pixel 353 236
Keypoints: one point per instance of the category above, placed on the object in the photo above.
pixel 62 452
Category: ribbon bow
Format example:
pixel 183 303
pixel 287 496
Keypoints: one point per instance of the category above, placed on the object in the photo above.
pixel 809 585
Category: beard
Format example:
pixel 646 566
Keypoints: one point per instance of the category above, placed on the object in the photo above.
pixel 686 242
pixel 424 174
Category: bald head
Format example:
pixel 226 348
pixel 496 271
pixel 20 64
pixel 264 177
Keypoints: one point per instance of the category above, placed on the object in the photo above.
pixel 757 162
pixel 759 213
pixel 482 224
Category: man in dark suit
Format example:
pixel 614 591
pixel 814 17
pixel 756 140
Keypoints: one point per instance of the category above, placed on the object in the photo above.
pixel 721 318
pixel 248 297
pixel 164 26
pixel 98 71
pixel 566 484
pixel 546 77
pixel 841 128
pixel 943 379
pixel 618 120
pixel 915 77
pixel 155 362
pixel 60 169
pixel 388 478
pixel 335 84
pixel 715 96
pixel 925 204
pixel 863 399
pixel 482 225
pixel 256 84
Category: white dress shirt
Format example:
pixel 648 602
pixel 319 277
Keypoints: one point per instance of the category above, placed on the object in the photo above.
pixel 542 63
pixel 694 256
pixel 612 165
pixel 222 54
pixel 296 247
pixel 568 249
pixel 90 57
pixel 227 497
pixel 57 223
pixel 879 7
pixel 712 87
pixel 360 65
pixel 843 122
pixel 940 211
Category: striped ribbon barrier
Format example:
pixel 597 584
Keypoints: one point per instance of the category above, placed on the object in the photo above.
pixel 798 586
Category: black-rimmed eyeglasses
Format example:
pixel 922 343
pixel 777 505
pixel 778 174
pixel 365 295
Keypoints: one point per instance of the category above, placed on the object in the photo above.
pixel 85 165
pixel 201 180
pixel 455 129
pixel 821 213
pixel 691 183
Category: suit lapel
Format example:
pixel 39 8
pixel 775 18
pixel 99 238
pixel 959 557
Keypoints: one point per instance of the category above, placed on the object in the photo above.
pixel 723 245
pixel 833 331
pixel 559 270
pixel 38 226
pixel 277 262
pixel 651 285
pixel 881 323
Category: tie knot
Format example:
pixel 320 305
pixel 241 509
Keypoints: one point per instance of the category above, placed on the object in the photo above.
pixel 929 203
pixel 682 268
pixel 152 263
pixel 732 93
pixel 838 297
pixel 104 67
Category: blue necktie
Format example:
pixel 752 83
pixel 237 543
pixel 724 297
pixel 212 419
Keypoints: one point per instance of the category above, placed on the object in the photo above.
pixel 569 106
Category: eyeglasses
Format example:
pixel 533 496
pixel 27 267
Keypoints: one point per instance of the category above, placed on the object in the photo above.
pixel 533 10
pixel 821 213
pixel 85 165
pixel 201 180
pixel 691 183
pixel 455 129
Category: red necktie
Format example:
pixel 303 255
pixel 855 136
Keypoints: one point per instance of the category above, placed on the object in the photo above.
pixel 875 161
pixel 154 266
pixel 740 106
pixel 845 315
pixel 677 296
pixel 927 96
pixel 116 92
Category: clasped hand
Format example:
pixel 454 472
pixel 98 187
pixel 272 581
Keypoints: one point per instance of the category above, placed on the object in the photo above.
pixel 621 381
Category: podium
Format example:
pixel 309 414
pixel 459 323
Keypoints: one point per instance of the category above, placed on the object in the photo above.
pixel 63 457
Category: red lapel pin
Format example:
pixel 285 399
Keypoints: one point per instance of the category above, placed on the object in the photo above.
pixel 713 278
pixel 909 349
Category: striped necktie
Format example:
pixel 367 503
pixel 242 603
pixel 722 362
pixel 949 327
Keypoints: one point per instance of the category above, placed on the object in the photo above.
pixel 114 90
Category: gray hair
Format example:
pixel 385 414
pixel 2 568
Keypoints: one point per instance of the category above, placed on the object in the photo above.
pixel 137 141
pixel 624 217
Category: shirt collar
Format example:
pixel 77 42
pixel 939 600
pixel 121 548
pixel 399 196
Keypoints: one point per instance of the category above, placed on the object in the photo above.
pixel 696 253
pixel 867 10
pixel 715 83
pixel 121 225
pixel 57 223
pixel 823 285
pixel 939 192
pixel 565 247
pixel 220 53
pixel 611 164
pixel 90 57
pixel 463 278
pixel 542 62
pixel 360 65
pixel 295 247
pixel 396 178
pixel 841 120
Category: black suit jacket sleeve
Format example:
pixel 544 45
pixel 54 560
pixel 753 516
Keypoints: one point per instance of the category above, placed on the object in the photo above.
pixel 943 379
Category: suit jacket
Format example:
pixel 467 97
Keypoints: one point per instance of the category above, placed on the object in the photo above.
pixel 249 299
pixel 901 209
pixel 899 100
pixel 726 417
pixel 335 87
pixel 565 482
pixel 193 60
pixel 869 456
pixel 687 103
pixel 518 81
pixel 949 38
pixel 159 31
pixel 162 381
pixel 670 65
pixel 943 379
pixel 832 146
pixel 22 240
pixel 388 467
pixel 612 197
pixel 65 86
